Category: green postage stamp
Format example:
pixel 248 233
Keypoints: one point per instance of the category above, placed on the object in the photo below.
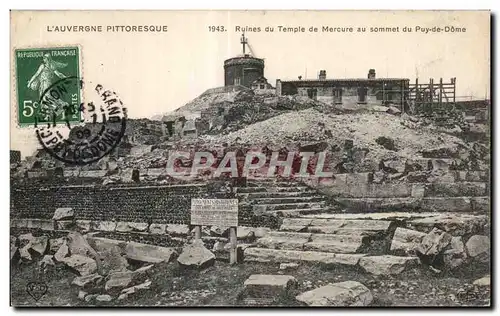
pixel 42 95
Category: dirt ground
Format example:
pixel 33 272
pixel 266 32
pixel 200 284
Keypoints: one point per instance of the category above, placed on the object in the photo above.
pixel 222 285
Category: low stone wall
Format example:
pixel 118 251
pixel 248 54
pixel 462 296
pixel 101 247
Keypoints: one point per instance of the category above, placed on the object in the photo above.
pixel 161 204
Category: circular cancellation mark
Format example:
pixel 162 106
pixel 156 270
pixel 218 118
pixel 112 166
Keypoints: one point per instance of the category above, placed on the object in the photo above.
pixel 94 129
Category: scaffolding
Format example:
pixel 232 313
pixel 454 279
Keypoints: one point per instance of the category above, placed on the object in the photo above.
pixel 428 97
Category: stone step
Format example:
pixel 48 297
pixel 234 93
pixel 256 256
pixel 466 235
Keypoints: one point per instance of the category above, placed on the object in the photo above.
pixel 387 264
pixel 259 195
pixel 428 204
pixel 336 226
pixel 456 189
pixel 289 200
pixel 276 189
pixel 278 256
pixel 455 224
pixel 301 212
pixel 401 190
pixel 372 216
pixel 308 241
pixel 289 206
pixel 270 182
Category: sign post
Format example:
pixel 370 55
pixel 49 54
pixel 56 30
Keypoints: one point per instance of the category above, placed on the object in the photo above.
pixel 219 212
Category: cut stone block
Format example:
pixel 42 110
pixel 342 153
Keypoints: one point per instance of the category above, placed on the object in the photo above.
pixel 148 253
pixel 335 243
pixel 406 240
pixel 131 227
pixel 105 226
pixel 284 240
pixel 348 293
pixel 387 264
pixel 434 242
pixel 157 229
pixel 177 230
pixel 264 289
pixel 274 255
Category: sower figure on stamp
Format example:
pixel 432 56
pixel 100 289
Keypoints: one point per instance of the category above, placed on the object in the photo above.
pixel 46 75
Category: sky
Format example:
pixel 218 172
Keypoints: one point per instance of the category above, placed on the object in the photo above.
pixel 155 73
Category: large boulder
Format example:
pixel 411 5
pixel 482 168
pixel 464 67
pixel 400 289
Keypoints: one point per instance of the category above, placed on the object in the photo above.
pixel 434 242
pixel 406 240
pixel 386 265
pixel 131 290
pixel 148 253
pixel 195 255
pixel 24 239
pixel 36 247
pixel 478 245
pixel 46 263
pixel 110 252
pixel 78 245
pixel 64 213
pixel 124 279
pixel 55 244
pixel 39 245
pixel 348 293
pixel 119 280
pixel 88 281
pixel 100 244
pixel 264 289
pixel 24 254
pixel 62 252
pixel 456 255
pixel 112 259
pixel 80 264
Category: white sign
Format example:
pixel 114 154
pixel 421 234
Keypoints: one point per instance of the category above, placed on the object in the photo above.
pixel 220 212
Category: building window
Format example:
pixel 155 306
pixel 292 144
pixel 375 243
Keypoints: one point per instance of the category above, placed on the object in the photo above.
pixel 237 81
pixel 262 86
pixel 362 94
pixel 312 93
pixel 337 95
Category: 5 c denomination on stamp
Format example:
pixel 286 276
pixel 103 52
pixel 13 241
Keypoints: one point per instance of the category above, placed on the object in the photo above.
pixel 37 69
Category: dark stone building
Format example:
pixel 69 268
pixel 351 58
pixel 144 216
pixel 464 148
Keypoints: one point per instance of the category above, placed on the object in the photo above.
pixel 243 70
pixel 346 91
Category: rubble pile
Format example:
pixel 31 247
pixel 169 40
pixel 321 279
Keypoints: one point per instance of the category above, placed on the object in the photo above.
pixel 105 270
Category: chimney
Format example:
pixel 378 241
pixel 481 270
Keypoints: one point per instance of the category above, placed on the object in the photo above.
pixel 371 74
pixel 322 75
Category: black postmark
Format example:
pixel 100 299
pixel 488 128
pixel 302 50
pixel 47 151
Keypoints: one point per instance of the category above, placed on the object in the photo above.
pixel 36 289
pixel 98 132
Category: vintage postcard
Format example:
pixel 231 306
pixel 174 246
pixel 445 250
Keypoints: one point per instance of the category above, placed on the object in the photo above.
pixel 250 158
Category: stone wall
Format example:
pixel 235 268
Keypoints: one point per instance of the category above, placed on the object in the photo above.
pixel 160 204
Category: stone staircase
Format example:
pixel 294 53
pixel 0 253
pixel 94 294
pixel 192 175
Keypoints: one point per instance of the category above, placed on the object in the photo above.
pixel 281 198
pixel 313 230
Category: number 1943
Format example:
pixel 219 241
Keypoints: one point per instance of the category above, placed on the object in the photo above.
pixel 213 28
